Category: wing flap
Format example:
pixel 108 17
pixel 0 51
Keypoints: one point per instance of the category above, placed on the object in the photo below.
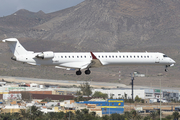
pixel 64 68
pixel 33 63
pixel 76 65
pixel 81 65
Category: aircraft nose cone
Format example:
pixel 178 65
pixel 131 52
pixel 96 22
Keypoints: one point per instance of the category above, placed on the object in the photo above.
pixel 172 61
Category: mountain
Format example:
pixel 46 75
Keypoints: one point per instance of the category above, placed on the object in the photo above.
pixel 107 25
pixel 101 25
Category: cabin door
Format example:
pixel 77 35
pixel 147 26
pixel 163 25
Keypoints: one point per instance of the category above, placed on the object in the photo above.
pixel 157 59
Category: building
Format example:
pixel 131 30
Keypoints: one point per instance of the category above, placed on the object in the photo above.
pixel 125 93
pixel 143 93
pixel 12 109
pixel 108 107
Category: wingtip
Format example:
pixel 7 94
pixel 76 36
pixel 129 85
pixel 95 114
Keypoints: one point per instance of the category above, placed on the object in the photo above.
pixel 3 41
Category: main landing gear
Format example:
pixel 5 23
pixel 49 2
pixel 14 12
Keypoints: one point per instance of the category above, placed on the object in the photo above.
pixel 78 72
pixel 87 72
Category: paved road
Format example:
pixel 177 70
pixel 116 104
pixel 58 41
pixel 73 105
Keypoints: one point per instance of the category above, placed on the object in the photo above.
pixel 66 82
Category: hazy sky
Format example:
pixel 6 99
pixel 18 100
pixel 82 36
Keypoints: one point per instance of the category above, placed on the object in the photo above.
pixel 8 7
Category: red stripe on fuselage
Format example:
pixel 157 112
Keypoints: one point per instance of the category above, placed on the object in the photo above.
pixel 93 56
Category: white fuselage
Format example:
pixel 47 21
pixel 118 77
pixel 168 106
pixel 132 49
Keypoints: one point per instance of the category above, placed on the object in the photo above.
pixel 85 60
pixel 107 58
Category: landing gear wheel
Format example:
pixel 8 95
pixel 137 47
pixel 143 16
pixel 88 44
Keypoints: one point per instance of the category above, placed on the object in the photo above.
pixel 166 68
pixel 87 72
pixel 78 72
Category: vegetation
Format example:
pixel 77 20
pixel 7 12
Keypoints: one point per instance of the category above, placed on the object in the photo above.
pixel 46 100
pixel 34 113
pixel 86 89
pixel 81 98
pixel 98 94
pixel 137 99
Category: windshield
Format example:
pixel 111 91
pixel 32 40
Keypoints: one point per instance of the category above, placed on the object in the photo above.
pixel 165 56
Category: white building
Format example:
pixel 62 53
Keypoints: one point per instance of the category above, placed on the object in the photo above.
pixel 126 93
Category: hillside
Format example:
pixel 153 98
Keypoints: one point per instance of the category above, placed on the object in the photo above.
pixel 97 25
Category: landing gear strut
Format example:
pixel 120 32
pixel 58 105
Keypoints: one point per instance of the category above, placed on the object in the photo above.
pixel 87 72
pixel 166 68
pixel 78 72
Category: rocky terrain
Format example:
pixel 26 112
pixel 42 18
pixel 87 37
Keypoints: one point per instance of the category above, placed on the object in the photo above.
pixel 98 25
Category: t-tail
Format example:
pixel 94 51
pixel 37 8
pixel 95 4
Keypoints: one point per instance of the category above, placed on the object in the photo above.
pixel 15 47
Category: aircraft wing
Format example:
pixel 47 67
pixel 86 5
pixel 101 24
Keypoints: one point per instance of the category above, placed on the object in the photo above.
pixel 94 62
pixel 81 65
pixel 74 65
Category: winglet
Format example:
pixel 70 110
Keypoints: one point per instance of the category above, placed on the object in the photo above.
pixel 93 56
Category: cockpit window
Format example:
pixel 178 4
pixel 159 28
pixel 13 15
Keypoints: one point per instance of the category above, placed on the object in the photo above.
pixel 165 56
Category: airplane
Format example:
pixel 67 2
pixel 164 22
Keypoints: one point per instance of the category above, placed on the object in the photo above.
pixel 85 60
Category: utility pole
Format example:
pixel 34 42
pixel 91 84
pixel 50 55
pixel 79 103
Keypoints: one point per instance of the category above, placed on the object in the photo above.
pixel 69 115
pixel 132 79
pixel 119 75
pixel 160 99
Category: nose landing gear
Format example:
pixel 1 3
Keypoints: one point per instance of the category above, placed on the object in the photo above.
pixel 166 68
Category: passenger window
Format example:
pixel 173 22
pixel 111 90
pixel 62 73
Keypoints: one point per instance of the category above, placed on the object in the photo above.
pixel 130 56
pixel 138 56
pixel 116 56
pixel 144 56
pixel 112 56
pixel 65 56
pixel 61 56
pixel 99 56
pixel 69 57
pixel 84 56
pixel 127 56
pixel 147 56
pixel 102 56
pixel 109 56
pixel 123 56
pixel 72 56
pixel 77 56
pixel 106 56
pixel 134 56
pixel 81 56
pixel 119 56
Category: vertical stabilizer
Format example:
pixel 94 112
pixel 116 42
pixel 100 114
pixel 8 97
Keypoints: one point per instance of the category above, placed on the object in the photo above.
pixel 15 47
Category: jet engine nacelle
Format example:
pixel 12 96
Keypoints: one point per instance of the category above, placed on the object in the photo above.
pixel 46 55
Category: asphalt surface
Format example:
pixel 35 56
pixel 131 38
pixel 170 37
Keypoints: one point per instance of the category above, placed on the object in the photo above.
pixel 66 82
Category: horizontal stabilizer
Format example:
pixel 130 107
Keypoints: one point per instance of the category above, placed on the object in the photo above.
pixel 15 47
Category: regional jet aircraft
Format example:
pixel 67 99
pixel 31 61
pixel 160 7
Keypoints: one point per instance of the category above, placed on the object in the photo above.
pixel 85 60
